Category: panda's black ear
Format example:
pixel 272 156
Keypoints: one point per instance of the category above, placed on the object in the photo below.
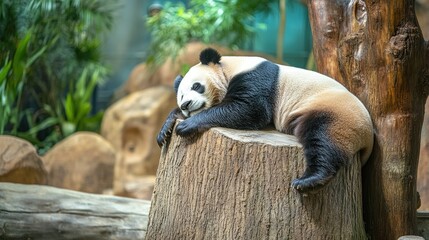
pixel 177 82
pixel 209 55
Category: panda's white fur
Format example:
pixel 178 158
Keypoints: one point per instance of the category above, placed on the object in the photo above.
pixel 307 104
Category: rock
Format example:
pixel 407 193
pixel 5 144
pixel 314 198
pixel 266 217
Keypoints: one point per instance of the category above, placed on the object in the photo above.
pixel 143 76
pixel 139 187
pixel 19 162
pixel 131 125
pixel 84 162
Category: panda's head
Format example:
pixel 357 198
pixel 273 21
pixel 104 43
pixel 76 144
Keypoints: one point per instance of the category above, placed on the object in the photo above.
pixel 201 87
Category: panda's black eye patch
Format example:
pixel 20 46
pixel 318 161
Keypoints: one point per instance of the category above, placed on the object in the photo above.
pixel 197 87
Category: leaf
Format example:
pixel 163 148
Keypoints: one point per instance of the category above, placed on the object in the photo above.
pixel 35 56
pixel 19 59
pixel 91 123
pixel 46 123
pixel 84 110
pixel 69 108
pixel 68 128
pixel 80 85
pixel 91 86
pixel 4 71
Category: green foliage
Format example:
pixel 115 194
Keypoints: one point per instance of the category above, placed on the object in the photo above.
pixel 72 29
pixel 77 104
pixel 47 86
pixel 12 80
pixel 210 21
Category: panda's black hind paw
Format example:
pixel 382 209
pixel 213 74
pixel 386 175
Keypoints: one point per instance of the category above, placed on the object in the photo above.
pixel 310 184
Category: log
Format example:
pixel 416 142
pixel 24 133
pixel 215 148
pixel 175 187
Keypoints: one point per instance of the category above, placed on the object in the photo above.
pixel 43 212
pixel 231 184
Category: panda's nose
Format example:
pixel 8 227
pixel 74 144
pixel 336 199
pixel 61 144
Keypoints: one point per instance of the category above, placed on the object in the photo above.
pixel 185 105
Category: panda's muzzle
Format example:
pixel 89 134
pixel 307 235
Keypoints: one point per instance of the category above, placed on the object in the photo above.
pixel 190 106
pixel 185 105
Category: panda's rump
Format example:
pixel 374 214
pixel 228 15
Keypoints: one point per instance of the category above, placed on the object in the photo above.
pixel 349 126
pixel 352 128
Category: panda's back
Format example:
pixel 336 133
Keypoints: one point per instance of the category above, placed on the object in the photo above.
pixel 302 90
pixel 305 82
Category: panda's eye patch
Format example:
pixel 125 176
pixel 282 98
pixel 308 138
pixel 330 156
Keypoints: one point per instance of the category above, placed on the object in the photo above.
pixel 197 87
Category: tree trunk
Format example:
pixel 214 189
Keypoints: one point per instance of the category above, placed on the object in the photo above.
pixel 231 184
pixel 376 49
pixel 42 212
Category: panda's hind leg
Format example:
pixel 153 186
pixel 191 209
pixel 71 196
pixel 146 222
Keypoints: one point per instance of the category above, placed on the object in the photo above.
pixel 323 157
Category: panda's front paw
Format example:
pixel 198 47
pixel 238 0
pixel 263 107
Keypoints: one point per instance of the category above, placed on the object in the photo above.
pixel 163 138
pixel 187 128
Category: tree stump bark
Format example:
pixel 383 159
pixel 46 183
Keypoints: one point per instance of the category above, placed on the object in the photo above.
pixel 231 184
pixel 42 212
pixel 376 50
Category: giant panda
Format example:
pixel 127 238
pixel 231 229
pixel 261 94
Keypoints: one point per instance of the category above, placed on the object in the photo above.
pixel 252 93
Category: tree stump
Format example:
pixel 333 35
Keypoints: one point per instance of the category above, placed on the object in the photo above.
pixel 231 184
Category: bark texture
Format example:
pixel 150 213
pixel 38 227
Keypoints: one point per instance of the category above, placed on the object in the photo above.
pixel 230 184
pixel 376 49
pixel 42 212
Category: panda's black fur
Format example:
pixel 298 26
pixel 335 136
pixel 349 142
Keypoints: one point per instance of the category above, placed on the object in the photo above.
pixel 249 103
pixel 208 56
pixel 323 157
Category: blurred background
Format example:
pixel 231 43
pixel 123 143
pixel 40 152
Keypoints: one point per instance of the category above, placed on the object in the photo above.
pixel 129 41
pixel 87 83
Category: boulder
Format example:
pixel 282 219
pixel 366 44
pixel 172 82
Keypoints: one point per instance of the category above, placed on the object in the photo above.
pixel 19 162
pixel 83 161
pixel 139 187
pixel 131 125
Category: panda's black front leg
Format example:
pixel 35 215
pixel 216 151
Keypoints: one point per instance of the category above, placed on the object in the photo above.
pixel 164 134
pixel 232 114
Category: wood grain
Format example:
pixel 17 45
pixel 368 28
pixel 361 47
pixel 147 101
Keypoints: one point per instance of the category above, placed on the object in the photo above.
pixel 230 184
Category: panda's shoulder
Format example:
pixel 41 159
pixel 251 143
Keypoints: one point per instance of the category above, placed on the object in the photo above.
pixel 259 79
pixel 263 69
pixel 254 65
